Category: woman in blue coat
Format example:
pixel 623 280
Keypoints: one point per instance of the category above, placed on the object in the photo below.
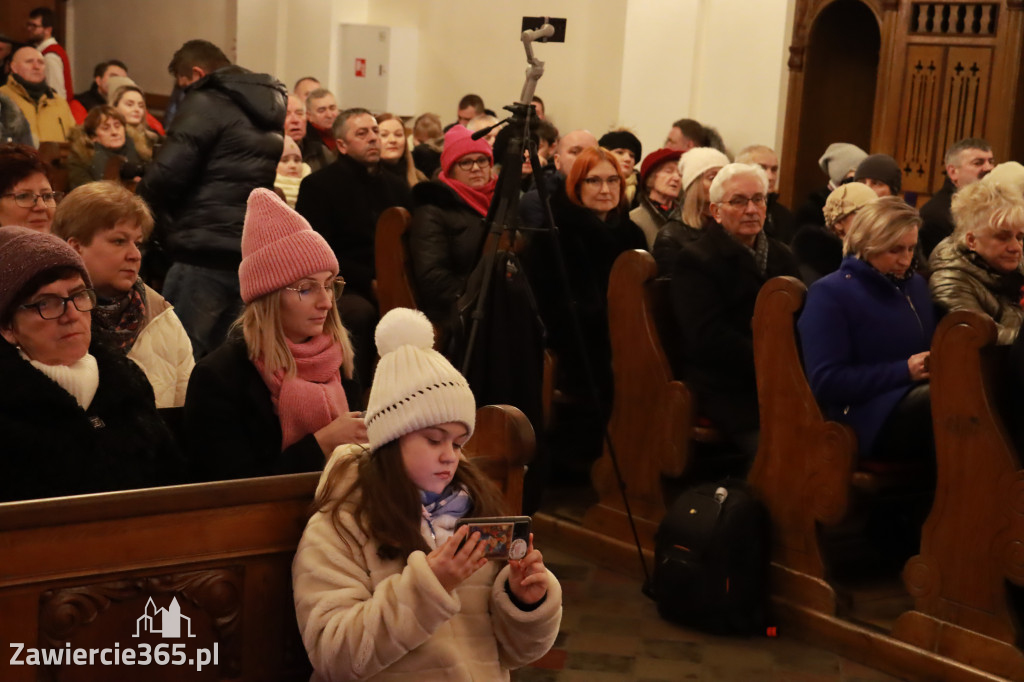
pixel 866 330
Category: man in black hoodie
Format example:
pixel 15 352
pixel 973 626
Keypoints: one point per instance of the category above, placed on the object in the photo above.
pixel 225 142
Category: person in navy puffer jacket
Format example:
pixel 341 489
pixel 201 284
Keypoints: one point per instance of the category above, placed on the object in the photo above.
pixel 865 334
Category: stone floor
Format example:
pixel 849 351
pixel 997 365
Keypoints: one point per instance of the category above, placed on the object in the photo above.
pixel 611 632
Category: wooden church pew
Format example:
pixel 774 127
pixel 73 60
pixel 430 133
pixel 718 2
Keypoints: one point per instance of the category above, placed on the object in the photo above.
pixel 973 540
pixel 394 276
pixel 805 472
pixel 804 464
pixel 652 413
pixel 81 570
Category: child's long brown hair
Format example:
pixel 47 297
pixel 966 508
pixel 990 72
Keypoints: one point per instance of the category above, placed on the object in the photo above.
pixel 386 503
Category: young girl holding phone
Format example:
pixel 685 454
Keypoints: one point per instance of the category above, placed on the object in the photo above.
pixel 384 586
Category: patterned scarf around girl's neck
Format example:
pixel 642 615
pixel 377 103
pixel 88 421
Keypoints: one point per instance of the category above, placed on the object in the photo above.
pixel 441 511
pixel 313 397
pixel 118 321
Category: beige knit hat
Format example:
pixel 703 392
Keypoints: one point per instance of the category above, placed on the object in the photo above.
pixel 696 161
pixel 414 386
pixel 278 247
pixel 846 199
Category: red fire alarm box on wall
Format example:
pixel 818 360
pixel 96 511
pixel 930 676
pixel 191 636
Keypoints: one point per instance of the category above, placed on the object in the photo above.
pixel 360 68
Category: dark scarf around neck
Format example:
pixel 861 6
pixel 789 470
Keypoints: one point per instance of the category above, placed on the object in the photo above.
pixel 35 90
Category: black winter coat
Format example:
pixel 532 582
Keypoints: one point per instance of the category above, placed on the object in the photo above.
pixel 51 447
pixel 589 248
pixel 445 240
pixel 230 426
pixel 715 283
pixel 225 142
pixel 938 218
pixel 342 202
pixel 672 237
pixel 819 252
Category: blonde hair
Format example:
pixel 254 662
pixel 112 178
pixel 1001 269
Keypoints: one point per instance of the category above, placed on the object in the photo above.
pixel 695 203
pixel 985 207
pixel 878 225
pixel 97 206
pixel 260 324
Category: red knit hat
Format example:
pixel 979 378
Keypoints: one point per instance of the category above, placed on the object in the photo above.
pixel 278 247
pixel 458 142
pixel 655 159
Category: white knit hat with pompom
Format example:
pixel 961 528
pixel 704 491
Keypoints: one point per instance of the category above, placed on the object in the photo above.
pixel 414 386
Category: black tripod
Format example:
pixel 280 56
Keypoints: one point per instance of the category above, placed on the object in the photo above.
pixel 503 221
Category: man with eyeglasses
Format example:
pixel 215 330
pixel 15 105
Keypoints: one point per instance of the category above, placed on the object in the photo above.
pixel 342 201
pixel 715 282
pixel 58 66
pixel 48 115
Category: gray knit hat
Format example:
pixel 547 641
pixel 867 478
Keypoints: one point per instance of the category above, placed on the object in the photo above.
pixel 839 159
pixel 414 386
pixel 25 253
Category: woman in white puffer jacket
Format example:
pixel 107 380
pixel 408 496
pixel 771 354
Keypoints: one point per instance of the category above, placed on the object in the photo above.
pixel 106 224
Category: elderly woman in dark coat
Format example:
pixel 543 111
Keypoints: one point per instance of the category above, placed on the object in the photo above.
pixel 819 250
pixel 102 138
pixel 978 267
pixel 875 382
pixel 447 231
pixel 75 417
pixel 715 282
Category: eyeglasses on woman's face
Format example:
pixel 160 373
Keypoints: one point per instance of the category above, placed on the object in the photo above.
pixel 29 199
pixel 469 162
pixel 307 290
pixel 51 306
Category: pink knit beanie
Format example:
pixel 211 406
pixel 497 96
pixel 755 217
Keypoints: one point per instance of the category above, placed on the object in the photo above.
pixel 278 247
pixel 458 142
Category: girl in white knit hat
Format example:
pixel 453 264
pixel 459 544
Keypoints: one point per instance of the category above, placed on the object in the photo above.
pixel 270 400
pixel 384 587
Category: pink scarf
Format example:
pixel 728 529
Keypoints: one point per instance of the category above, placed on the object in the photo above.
pixel 478 199
pixel 312 398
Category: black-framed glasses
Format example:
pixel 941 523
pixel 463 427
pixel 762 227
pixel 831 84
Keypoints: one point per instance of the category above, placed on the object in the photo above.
pixel 467 164
pixel 28 199
pixel 51 306
pixel 742 201
pixel 308 289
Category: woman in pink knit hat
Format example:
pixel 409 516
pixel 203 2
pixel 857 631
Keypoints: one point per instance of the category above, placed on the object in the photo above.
pixel 447 232
pixel 271 399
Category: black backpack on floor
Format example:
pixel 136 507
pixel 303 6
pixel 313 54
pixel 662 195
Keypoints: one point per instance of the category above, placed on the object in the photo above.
pixel 711 560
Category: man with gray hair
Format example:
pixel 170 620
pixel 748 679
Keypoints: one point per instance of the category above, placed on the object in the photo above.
pixel 715 282
pixel 967 161
pixel 342 201
pixel 779 222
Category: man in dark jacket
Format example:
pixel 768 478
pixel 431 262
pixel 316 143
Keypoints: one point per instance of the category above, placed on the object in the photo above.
pixel 343 201
pixel 715 284
pixel 967 161
pixel 225 142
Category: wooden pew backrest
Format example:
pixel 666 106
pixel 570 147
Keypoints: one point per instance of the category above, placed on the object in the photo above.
pixel 971 542
pixel 652 414
pixel 804 463
pixel 394 276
